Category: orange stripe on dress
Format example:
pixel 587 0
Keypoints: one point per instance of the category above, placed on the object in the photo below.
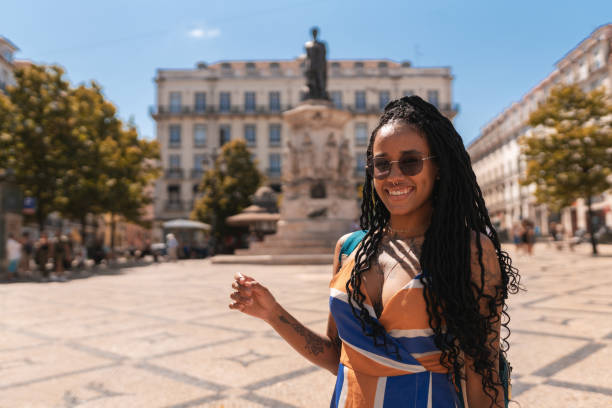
pixel 361 389
pixel 406 310
pixel 358 362
pixel 431 362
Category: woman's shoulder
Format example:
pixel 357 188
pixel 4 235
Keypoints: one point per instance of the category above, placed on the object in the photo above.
pixel 339 257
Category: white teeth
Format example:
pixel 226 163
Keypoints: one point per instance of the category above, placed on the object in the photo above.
pixel 399 192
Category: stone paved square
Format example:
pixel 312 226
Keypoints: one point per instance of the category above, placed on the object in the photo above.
pixel 162 336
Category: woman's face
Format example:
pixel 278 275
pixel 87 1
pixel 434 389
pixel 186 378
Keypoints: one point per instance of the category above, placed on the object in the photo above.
pixel 404 194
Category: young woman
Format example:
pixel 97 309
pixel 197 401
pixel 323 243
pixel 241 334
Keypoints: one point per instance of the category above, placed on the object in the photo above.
pixel 416 309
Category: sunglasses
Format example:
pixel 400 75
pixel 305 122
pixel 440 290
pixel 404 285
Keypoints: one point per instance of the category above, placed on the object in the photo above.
pixel 408 165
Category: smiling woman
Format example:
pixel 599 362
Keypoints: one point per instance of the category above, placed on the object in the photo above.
pixel 418 296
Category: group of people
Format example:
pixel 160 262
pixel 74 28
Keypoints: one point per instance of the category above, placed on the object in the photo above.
pixel 52 257
pixel 524 236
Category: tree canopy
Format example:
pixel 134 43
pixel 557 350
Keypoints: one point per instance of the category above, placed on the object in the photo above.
pixel 569 150
pixel 70 151
pixel 227 187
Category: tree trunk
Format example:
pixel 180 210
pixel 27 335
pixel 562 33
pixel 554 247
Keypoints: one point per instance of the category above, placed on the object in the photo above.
pixel 590 226
pixel 112 243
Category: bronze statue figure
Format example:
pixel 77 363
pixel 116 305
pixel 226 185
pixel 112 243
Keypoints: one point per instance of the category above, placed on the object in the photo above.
pixel 316 68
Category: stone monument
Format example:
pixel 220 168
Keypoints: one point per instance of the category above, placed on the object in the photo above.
pixel 318 194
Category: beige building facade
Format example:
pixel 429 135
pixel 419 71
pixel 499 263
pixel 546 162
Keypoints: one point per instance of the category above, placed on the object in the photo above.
pixel 496 154
pixel 7 63
pixel 198 110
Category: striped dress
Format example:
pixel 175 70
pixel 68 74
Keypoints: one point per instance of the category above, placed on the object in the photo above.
pixel 370 376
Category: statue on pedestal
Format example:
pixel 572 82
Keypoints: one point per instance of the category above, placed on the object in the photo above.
pixel 316 68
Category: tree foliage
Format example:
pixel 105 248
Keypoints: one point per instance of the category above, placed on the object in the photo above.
pixel 70 151
pixel 36 125
pixel 227 187
pixel 569 152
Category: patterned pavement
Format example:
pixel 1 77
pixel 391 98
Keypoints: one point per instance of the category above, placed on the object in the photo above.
pixel 162 336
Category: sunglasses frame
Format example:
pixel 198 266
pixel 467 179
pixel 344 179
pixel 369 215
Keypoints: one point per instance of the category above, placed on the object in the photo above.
pixel 372 168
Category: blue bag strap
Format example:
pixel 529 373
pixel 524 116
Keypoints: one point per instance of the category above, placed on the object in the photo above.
pixel 351 243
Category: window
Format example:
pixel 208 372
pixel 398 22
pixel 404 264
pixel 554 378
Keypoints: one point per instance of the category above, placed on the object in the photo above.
pixel 175 135
pixel 198 161
pixel 358 67
pixel 174 194
pixel 249 101
pixel 175 102
pixel 200 101
pixel 226 69
pixel 199 135
pixel 275 135
pixel 224 102
pixel 224 134
pixel 360 100
pixel 250 68
pixel 275 163
pixel 383 99
pixel 174 161
pixel 336 97
pixel 249 135
pixel 275 68
pixel 274 101
pixel 361 134
pixel 432 97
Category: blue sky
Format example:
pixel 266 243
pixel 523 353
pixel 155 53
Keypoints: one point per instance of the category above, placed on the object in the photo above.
pixel 497 50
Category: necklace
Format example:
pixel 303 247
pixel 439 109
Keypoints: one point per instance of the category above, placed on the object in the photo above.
pixel 401 231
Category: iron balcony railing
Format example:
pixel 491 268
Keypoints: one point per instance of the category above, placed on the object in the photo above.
pixel 174 205
pixel 164 110
pixel 176 174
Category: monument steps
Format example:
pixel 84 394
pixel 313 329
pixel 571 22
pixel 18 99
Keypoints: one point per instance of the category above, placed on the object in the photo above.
pixel 320 250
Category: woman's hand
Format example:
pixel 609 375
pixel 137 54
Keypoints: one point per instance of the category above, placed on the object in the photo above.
pixel 252 298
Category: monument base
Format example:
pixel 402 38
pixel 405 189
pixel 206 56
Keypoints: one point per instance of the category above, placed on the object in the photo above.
pixel 319 196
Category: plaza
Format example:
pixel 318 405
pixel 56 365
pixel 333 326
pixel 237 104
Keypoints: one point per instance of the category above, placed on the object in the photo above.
pixel 162 336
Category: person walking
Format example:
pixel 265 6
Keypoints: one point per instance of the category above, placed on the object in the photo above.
pixel 172 244
pixel 27 248
pixel 42 252
pixel 417 296
pixel 13 255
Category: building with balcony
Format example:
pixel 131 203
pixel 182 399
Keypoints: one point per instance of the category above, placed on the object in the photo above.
pixel 200 109
pixel 7 63
pixel 496 156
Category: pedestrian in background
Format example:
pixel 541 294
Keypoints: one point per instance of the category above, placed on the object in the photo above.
pixel 26 253
pixel 42 251
pixel 13 254
pixel 172 247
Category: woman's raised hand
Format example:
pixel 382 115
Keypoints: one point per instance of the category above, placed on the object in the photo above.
pixel 252 298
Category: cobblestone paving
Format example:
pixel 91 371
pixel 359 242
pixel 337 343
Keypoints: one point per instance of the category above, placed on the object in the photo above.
pixel 162 336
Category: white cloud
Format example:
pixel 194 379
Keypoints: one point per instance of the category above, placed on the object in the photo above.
pixel 204 33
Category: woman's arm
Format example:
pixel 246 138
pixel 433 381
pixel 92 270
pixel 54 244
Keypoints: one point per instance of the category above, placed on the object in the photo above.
pixel 492 279
pixel 254 299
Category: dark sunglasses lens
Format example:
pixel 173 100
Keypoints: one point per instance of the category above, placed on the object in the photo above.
pixel 381 168
pixel 411 166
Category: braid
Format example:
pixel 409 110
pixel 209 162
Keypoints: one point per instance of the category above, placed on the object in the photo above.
pixel 451 297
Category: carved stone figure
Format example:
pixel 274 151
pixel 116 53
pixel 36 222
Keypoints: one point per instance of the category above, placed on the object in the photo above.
pixel 316 68
pixel 331 157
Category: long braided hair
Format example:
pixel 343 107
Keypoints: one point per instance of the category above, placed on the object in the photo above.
pixel 459 210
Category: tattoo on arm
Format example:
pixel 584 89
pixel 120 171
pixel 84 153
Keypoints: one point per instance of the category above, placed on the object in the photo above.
pixel 314 344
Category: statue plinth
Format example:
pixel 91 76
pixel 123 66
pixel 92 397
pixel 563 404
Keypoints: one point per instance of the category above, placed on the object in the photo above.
pixel 319 196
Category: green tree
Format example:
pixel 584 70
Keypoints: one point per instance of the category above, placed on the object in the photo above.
pixel 227 187
pixel 569 152
pixel 129 169
pixel 84 183
pixel 36 125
